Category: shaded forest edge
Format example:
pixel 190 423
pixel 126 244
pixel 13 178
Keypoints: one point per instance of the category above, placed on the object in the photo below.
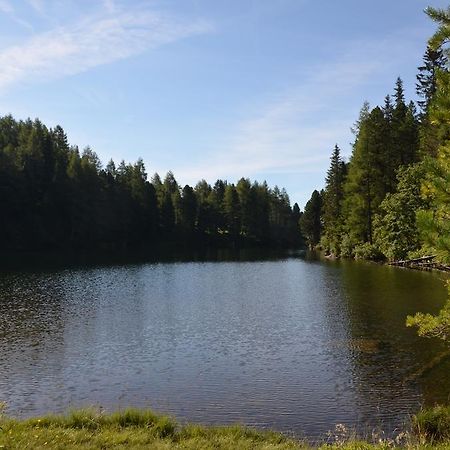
pixel 138 429
pixel 55 197
pixel 391 199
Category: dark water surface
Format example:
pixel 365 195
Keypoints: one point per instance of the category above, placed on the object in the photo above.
pixel 292 344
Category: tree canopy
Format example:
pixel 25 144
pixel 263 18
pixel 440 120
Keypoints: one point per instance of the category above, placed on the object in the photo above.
pixel 55 196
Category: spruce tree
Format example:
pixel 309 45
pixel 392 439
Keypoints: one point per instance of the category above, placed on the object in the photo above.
pixel 366 183
pixel 311 220
pixel 332 201
pixel 435 221
pixel 232 211
pixel 433 61
pixel 396 233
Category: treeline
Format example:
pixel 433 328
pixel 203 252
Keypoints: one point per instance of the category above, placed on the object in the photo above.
pixel 52 196
pixel 391 200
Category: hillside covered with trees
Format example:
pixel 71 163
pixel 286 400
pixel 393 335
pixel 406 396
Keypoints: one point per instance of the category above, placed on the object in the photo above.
pixel 53 197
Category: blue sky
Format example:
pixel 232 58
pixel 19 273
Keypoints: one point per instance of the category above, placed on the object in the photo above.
pixel 209 88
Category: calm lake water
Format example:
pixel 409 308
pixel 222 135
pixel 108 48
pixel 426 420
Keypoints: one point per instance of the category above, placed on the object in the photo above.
pixel 292 344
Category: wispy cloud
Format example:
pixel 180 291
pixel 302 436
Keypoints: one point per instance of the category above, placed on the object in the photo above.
pixel 281 138
pixel 37 5
pixel 6 7
pixel 91 42
pixel 110 5
pixel 295 131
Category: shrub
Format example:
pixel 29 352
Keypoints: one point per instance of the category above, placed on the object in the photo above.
pixel 368 251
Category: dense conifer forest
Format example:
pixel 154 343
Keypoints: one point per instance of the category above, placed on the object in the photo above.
pixel 53 197
pixel 391 200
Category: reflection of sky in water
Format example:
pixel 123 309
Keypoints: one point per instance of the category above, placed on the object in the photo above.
pixel 290 344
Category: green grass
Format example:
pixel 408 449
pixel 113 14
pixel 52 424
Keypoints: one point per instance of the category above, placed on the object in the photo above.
pixel 141 429
pixel 130 429
pixel 433 425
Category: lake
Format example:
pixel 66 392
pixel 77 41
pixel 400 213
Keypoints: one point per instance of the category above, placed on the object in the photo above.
pixel 294 344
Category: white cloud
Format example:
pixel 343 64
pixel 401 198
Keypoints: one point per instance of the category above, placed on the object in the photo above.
pixel 91 42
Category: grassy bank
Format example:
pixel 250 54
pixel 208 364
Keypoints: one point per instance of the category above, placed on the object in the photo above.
pixel 134 429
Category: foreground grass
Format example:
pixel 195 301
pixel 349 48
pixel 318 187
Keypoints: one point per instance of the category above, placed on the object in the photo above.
pixel 135 429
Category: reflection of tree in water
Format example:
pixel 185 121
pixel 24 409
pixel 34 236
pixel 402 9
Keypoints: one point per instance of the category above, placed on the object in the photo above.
pixel 31 329
pixel 383 351
pixel 59 332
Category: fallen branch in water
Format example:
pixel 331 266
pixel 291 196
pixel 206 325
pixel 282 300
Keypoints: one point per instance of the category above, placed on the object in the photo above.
pixel 423 259
pixel 423 263
pixel 427 367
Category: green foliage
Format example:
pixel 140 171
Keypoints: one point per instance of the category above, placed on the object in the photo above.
pixel 332 203
pixel 442 34
pixel 386 139
pixel 54 197
pixel 433 61
pixel 347 246
pixel 432 326
pixel 232 210
pixel 311 220
pixel 366 187
pixel 395 229
pixel 434 222
pixel 367 251
pixel 433 424
pixel 369 205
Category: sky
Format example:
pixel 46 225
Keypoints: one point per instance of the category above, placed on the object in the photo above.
pixel 210 88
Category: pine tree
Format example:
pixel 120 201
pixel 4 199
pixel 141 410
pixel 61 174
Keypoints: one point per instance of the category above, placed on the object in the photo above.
pixel 311 220
pixel 396 232
pixel 232 211
pixel 433 61
pixel 399 93
pixel 53 197
pixel 332 201
pixel 435 221
pixel 368 177
pixel 247 203
pixel 404 130
pixel 188 210
pixel 205 213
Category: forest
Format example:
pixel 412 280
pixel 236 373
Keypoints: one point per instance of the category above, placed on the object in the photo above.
pixel 391 200
pixel 55 197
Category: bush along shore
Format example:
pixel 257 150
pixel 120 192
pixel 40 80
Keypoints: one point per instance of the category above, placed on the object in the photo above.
pixel 143 429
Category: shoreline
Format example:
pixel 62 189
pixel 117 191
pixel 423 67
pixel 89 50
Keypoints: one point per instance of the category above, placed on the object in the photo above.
pixel 139 429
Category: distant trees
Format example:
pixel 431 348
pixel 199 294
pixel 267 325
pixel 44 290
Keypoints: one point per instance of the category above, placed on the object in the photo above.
pixel 54 196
